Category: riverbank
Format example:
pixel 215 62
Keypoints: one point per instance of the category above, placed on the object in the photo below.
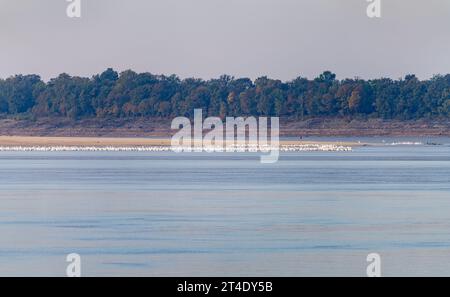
pixel 27 141
pixel 160 128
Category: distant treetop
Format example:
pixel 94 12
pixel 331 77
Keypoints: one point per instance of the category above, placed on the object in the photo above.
pixel 131 94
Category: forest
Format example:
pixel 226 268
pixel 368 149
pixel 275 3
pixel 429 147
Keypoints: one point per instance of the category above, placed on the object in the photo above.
pixel 129 95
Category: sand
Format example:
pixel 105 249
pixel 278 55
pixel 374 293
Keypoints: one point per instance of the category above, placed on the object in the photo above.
pixel 121 142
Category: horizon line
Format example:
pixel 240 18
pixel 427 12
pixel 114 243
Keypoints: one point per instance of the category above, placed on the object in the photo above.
pixel 119 72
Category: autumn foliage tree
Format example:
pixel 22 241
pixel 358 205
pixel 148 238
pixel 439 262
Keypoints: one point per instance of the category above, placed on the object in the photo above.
pixel 132 95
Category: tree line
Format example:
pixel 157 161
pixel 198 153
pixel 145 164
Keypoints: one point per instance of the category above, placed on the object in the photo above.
pixel 130 94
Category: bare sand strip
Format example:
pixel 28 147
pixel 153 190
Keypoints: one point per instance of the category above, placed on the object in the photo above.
pixel 125 142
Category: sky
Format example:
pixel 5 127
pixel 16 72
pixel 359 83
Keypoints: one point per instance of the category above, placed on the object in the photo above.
pixel 282 39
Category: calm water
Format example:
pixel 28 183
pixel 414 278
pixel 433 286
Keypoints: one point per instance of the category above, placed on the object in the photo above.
pixel 164 214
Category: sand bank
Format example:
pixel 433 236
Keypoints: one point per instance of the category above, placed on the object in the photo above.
pixel 123 142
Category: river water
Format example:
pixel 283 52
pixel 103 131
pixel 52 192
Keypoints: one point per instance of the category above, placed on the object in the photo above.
pixel 167 214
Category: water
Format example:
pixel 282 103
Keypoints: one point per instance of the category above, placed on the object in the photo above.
pixel 165 214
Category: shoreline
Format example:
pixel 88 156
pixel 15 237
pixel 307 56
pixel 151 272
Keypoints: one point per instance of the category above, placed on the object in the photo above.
pixel 117 142
pixel 160 128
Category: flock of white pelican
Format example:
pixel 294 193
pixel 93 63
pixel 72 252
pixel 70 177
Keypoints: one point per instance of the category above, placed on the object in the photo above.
pixel 240 148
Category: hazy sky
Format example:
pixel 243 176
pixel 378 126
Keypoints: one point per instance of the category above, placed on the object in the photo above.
pixel 206 38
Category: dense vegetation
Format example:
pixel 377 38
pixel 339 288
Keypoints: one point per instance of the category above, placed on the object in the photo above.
pixel 130 94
